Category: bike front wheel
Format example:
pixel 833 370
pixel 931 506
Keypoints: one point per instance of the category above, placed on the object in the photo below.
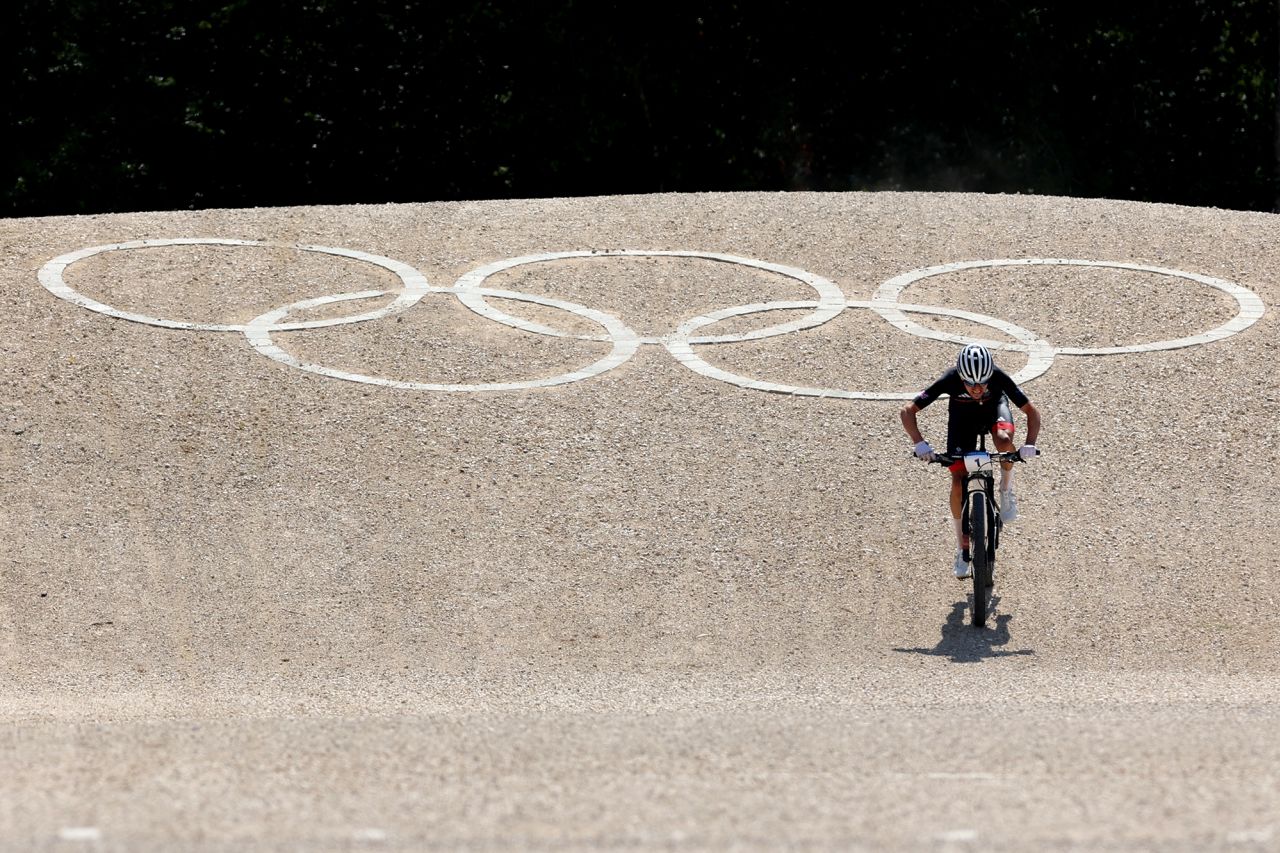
pixel 981 564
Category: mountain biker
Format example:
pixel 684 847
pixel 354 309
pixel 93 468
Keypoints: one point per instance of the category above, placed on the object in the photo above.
pixel 980 394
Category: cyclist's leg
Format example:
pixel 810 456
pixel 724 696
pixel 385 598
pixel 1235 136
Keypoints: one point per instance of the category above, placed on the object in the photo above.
pixel 1002 435
pixel 957 503
pixel 962 436
pixel 960 565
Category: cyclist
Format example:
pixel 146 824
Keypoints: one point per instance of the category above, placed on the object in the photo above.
pixel 980 395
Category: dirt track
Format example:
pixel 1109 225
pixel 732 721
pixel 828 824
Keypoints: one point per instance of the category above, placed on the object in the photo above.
pixel 249 607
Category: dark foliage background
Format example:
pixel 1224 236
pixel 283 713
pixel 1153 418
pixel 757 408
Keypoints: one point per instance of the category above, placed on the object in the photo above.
pixel 116 105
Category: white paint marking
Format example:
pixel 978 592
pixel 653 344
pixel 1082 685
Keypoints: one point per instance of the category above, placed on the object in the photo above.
pixel 1040 352
pixel 51 276
pixel 830 303
pixel 80 833
pixel 369 835
pixel 830 296
pixel 958 835
pixel 625 344
pixel 1250 304
pixel 983 776
pixel 1250 836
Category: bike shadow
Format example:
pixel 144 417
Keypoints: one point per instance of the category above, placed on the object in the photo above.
pixel 963 643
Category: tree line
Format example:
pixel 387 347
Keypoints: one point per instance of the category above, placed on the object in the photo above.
pixel 117 105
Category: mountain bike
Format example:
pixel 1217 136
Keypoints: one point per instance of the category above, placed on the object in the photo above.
pixel 980 518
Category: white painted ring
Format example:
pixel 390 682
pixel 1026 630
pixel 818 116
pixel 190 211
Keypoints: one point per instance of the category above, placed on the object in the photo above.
pixel 1040 352
pixel 625 343
pixel 1251 306
pixel 51 276
pixel 830 297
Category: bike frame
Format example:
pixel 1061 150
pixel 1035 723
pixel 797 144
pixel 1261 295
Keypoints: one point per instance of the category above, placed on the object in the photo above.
pixel 979 478
pixel 979 484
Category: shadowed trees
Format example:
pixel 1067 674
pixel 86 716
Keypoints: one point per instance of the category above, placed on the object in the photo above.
pixel 144 104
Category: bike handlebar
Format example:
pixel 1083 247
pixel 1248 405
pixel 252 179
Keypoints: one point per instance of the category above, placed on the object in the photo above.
pixel 1011 456
pixel 996 456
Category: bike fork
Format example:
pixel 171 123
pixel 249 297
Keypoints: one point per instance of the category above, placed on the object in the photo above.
pixel 993 517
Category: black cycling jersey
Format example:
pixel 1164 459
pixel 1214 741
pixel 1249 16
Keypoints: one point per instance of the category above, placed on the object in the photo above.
pixel 967 417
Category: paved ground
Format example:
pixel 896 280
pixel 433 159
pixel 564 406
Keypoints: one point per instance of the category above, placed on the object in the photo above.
pixel 249 607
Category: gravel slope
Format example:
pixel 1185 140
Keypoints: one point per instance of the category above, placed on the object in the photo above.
pixel 244 606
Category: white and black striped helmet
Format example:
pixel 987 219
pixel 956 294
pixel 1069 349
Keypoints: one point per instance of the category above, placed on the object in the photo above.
pixel 975 364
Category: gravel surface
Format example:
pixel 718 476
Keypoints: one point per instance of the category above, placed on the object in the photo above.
pixel 248 607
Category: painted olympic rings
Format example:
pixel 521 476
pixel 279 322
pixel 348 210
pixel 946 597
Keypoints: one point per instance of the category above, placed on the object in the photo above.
pixel 471 292
pixel 1041 353
pixel 415 284
pixel 830 296
pixel 1250 305
pixel 625 342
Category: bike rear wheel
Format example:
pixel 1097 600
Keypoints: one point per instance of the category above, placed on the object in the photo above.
pixel 981 566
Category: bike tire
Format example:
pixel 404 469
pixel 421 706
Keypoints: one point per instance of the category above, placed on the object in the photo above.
pixel 991 562
pixel 980 569
pixel 993 542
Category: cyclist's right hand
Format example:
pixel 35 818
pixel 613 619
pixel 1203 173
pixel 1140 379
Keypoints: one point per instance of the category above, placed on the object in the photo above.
pixel 924 451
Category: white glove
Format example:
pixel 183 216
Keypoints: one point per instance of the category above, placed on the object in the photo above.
pixel 924 451
pixel 1028 452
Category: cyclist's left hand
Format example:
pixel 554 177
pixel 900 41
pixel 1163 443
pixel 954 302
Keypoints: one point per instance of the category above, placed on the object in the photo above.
pixel 1028 452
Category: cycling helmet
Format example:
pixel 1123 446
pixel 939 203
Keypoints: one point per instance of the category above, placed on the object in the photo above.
pixel 975 365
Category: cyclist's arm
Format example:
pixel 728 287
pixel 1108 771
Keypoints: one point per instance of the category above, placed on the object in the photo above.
pixel 1033 422
pixel 908 415
pixel 942 385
